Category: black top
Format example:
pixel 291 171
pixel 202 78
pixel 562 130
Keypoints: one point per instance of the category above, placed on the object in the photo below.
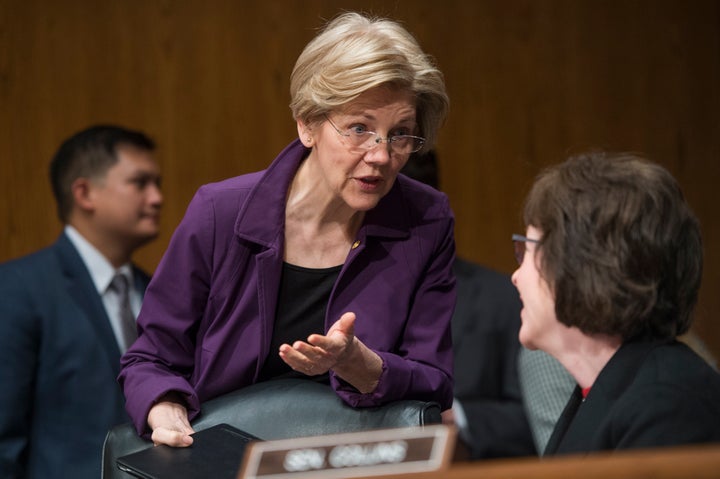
pixel 302 302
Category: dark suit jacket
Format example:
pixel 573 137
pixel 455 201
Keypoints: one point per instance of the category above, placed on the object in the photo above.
pixel 58 366
pixel 649 394
pixel 485 344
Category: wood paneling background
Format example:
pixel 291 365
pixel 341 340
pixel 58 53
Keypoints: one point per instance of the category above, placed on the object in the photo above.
pixel 530 81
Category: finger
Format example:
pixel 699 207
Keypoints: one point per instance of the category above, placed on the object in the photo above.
pixel 344 325
pixel 303 348
pixel 294 352
pixel 299 362
pixel 293 358
pixel 323 344
pixel 340 333
pixel 348 317
pixel 171 437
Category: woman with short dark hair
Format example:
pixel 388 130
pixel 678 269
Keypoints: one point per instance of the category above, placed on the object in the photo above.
pixel 609 274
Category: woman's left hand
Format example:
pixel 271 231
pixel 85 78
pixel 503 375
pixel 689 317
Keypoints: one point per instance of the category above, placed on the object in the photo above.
pixel 338 350
pixel 321 352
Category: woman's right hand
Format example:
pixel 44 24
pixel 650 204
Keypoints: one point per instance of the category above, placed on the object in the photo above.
pixel 168 420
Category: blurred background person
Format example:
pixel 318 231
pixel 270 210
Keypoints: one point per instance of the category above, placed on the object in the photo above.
pixel 67 311
pixel 487 405
pixel 610 267
pixel 327 265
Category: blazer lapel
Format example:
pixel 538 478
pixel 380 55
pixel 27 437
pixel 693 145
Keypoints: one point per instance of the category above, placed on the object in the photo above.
pixel 82 290
pixel 563 423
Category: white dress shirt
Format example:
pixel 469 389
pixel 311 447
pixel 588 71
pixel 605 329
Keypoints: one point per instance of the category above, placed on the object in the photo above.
pixel 102 273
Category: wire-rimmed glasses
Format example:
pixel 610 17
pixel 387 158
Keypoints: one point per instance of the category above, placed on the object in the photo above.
pixel 364 140
pixel 519 242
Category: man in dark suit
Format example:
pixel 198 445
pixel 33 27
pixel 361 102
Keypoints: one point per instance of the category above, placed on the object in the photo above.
pixel 67 312
pixel 487 407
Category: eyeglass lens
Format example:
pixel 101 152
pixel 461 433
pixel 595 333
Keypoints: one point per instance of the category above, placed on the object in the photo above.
pixel 519 247
pixel 398 144
pixel 367 140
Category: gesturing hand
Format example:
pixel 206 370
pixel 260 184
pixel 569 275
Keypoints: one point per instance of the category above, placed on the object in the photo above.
pixel 339 350
pixel 321 352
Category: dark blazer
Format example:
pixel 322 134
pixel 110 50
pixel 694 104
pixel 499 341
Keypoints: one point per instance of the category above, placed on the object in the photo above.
pixel 486 346
pixel 649 394
pixel 58 366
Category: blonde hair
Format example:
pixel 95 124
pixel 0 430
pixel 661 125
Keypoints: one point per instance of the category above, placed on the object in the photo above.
pixel 355 53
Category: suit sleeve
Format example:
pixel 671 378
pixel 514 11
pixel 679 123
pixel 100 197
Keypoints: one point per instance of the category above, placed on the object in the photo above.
pixel 19 345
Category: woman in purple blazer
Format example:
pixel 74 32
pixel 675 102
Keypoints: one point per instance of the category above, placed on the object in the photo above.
pixel 327 265
pixel 609 275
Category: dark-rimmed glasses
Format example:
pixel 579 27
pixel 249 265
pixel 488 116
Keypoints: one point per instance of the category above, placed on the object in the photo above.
pixel 519 242
pixel 365 140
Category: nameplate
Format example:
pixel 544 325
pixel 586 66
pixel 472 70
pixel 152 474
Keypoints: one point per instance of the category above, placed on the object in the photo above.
pixel 358 454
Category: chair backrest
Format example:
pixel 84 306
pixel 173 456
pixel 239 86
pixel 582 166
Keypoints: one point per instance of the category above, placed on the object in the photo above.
pixel 281 409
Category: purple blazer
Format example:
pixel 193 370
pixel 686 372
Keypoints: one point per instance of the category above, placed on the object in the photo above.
pixel 207 317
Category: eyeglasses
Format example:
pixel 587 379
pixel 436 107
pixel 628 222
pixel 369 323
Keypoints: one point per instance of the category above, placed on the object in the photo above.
pixel 361 139
pixel 519 242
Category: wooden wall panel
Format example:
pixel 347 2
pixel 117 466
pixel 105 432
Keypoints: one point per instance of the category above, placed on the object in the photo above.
pixel 529 82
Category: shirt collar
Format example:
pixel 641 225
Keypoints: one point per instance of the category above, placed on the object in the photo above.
pixel 100 269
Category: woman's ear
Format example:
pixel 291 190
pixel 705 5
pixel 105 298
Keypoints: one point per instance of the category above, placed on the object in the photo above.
pixel 305 134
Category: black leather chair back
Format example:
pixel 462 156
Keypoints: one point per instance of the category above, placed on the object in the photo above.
pixel 281 409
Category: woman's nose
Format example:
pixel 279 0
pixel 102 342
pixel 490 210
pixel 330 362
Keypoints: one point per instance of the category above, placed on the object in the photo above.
pixel 379 153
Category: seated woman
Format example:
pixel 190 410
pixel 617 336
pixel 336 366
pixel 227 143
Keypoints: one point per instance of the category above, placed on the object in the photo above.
pixel 609 274
pixel 327 265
